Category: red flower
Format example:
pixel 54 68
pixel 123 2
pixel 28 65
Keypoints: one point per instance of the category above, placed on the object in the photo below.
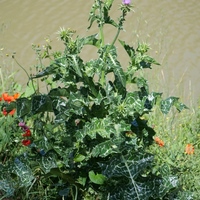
pixel 26 142
pixel 159 141
pixel 189 149
pixel 27 133
pixel 12 112
pixel 5 112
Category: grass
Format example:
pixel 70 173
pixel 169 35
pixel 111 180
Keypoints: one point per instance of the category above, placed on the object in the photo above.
pixel 177 130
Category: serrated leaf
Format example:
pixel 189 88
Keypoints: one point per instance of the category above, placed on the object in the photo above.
pixel 106 148
pixel 103 127
pixel 130 50
pixel 97 178
pixel 92 40
pixel 180 106
pixel 48 71
pixel 166 104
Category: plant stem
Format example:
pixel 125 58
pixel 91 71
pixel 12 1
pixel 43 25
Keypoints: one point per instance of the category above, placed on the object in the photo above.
pixel 116 36
pixel 2 80
pixel 25 72
pixel 101 23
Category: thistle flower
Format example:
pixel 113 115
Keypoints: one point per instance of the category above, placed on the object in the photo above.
pixel 126 2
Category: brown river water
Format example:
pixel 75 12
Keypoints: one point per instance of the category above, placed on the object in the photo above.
pixel 171 27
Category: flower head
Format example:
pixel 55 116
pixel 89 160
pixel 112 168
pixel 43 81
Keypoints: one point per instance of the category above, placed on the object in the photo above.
pixel 11 113
pixel 189 149
pixel 27 133
pixel 9 98
pixel 159 141
pixel 126 2
pixel 23 126
pixel 26 142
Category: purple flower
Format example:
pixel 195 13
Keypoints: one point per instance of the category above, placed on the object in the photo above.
pixel 23 126
pixel 126 2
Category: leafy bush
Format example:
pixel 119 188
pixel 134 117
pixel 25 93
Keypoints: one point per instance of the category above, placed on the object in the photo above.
pixel 86 137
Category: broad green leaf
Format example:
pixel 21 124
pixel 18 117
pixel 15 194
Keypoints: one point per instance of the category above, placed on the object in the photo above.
pixel 166 184
pixel 23 172
pixel 41 103
pixel 23 106
pixel 62 92
pixel 7 186
pixel 129 166
pixel 79 158
pixel 97 178
pixel 134 191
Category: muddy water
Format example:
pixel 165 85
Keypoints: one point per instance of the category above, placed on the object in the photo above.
pixel 171 27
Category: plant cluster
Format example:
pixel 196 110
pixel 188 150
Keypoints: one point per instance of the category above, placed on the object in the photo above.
pixel 86 138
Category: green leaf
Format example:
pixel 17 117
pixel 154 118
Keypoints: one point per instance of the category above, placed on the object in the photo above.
pixel 106 148
pixel 76 64
pixel 103 127
pixel 61 92
pixel 180 106
pixel 97 178
pixel 79 158
pixel 130 50
pixel 41 103
pixel 166 184
pixel 23 106
pixel 48 71
pixel 92 40
pixel 166 104
pixel 129 165
pixel 23 172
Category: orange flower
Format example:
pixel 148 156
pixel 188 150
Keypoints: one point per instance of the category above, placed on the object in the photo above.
pixel 7 98
pixel 159 141
pixel 16 95
pixel 189 149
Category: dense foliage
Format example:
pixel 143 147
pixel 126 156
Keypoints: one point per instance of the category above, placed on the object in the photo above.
pixel 86 137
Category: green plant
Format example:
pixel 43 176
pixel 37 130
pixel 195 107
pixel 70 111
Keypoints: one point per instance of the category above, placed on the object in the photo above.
pixel 88 137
